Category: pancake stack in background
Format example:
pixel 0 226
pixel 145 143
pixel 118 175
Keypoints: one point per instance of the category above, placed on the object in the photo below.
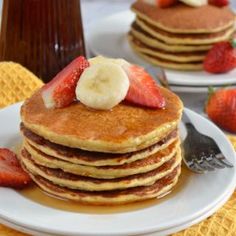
pixel 178 37
pixel 102 157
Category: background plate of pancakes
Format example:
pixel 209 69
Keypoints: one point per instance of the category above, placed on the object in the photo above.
pixel 198 197
pixel 101 39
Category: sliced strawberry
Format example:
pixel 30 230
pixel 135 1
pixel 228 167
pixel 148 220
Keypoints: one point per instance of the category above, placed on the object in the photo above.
pixel 143 89
pixel 219 3
pixel 60 92
pixel 165 3
pixel 221 58
pixel 161 3
pixel 11 173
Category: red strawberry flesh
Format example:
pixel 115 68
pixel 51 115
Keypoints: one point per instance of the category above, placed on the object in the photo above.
pixel 60 92
pixel 165 3
pixel 221 109
pixel 221 58
pixel 143 89
pixel 219 3
pixel 11 173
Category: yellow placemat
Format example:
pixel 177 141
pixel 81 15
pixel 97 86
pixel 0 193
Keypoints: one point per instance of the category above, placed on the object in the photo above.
pixel 17 84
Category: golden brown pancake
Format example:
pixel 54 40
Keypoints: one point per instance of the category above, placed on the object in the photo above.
pixel 125 128
pixel 159 188
pixel 184 39
pixel 78 156
pixel 175 57
pixel 182 18
pixel 59 177
pixel 191 66
pixel 153 42
pixel 105 172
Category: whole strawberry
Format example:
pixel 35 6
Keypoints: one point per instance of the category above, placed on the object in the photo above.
pixel 221 108
pixel 221 58
pixel 219 3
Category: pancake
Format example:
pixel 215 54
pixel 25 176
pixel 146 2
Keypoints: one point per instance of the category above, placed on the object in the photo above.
pixel 159 188
pixel 182 18
pixel 62 178
pixel 105 172
pixel 194 66
pixel 78 156
pixel 185 39
pixel 123 129
pixel 153 42
pixel 176 57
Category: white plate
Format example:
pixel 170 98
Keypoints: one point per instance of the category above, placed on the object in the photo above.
pixel 159 233
pixel 108 37
pixel 199 195
pixel 189 89
pixel 193 222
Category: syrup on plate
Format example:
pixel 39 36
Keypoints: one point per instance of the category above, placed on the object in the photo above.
pixel 34 194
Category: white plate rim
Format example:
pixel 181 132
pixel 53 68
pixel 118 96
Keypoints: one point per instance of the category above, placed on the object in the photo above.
pixel 157 233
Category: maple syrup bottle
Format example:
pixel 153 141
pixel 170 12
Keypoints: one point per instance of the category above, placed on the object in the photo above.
pixel 42 35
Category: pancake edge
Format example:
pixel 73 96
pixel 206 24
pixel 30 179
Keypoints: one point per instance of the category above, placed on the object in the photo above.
pixel 107 172
pixel 166 55
pixel 112 161
pixel 155 43
pixel 106 185
pixel 101 200
pixel 191 41
pixel 183 31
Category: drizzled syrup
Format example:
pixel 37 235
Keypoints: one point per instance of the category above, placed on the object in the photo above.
pixel 36 195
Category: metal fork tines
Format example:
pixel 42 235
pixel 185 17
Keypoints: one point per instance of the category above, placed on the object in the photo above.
pixel 201 153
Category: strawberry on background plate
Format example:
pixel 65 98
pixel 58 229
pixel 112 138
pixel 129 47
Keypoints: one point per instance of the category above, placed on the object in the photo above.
pixel 221 108
pixel 60 91
pixel 143 89
pixel 219 3
pixel 11 173
pixel 221 58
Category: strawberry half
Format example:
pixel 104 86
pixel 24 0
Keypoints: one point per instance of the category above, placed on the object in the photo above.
pixel 161 3
pixel 221 108
pixel 11 173
pixel 165 3
pixel 143 89
pixel 219 3
pixel 60 92
pixel 221 58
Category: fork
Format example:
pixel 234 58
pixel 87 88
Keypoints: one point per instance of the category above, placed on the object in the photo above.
pixel 200 152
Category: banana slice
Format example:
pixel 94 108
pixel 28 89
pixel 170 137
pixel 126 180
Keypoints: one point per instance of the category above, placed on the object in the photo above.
pixel 151 2
pixel 195 3
pixel 102 60
pixel 102 86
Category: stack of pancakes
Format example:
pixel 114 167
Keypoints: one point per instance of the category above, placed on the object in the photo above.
pixel 118 156
pixel 178 37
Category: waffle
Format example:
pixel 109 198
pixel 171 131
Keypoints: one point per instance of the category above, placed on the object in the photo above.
pixel 16 83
